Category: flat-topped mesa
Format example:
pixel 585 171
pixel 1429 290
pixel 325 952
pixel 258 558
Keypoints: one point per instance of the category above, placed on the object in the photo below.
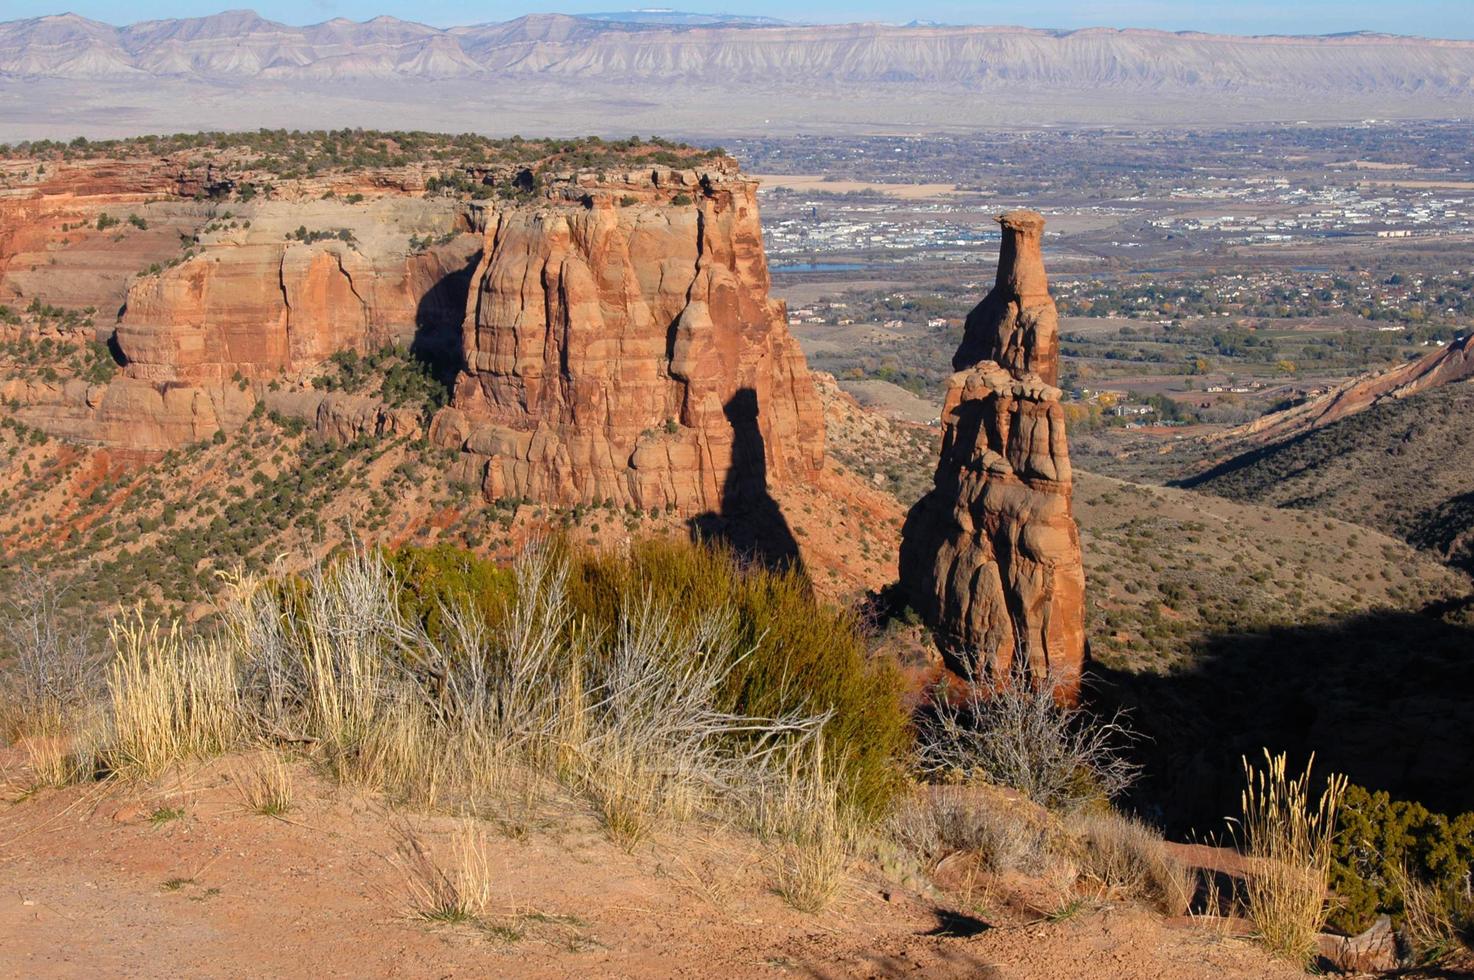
pixel 991 556
pixel 620 347
pixel 1017 324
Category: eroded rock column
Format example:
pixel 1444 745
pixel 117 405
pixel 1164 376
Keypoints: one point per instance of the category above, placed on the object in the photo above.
pixel 991 556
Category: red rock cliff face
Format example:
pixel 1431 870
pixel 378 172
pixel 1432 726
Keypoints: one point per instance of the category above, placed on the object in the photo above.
pixel 620 345
pixel 991 557
pixel 238 303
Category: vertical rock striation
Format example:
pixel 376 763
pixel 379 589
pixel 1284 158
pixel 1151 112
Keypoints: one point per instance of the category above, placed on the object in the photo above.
pixel 620 346
pixel 991 556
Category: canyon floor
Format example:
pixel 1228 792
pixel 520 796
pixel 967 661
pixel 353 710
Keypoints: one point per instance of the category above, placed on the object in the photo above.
pixel 177 877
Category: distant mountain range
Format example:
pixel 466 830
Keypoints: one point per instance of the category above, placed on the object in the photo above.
pixel 660 44
pixel 654 62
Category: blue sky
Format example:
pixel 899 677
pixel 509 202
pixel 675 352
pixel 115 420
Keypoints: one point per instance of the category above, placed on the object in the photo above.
pixel 1434 18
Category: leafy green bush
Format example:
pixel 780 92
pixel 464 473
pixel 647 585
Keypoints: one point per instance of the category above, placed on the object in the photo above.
pixel 433 578
pixel 1379 839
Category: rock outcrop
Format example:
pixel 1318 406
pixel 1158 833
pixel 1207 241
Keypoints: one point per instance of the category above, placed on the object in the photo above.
pixel 204 304
pixel 1445 366
pixel 991 556
pixel 620 347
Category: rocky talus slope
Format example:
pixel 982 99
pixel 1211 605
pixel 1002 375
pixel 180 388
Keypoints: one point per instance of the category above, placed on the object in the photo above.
pixel 991 556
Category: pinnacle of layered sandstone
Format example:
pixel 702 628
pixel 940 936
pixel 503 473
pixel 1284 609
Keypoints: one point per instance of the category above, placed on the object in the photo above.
pixel 1016 325
pixel 620 347
pixel 991 556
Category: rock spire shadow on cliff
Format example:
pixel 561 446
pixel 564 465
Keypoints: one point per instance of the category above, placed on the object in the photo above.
pixel 750 521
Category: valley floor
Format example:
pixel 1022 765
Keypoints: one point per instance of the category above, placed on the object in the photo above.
pixel 178 878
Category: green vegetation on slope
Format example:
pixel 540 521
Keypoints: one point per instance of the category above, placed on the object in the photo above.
pixel 1403 466
pixel 795 653
pixel 289 154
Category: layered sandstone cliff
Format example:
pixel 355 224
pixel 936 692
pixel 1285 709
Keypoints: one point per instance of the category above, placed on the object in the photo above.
pixel 204 303
pixel 620 347
pixel 991 556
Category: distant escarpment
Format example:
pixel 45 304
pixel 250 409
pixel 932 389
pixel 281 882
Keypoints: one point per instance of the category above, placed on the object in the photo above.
pixel 991 556
pixel 1452 363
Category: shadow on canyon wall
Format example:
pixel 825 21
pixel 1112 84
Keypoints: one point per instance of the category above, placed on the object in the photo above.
pixel 439 318
pixel 750 521
pixel 1385 697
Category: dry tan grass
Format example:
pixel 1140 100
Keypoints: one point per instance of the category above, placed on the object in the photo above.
pixel 49 759
pixel 817 837
pixel 460 889
pixel 266 787
pixel 1125 857
pixel 171 698
pixel 1429 923
pixel 1288 837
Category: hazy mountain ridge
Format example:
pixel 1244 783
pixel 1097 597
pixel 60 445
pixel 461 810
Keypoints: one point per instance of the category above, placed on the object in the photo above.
pixel 243 45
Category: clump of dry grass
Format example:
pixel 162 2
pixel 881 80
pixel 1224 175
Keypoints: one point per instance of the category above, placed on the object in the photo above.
pixel 1287 835
pixel 1125 857
pixel 816 835
pixel 171 698
pixel 267 787
pixel 459 891
pixel 50 761
pixel 1430 920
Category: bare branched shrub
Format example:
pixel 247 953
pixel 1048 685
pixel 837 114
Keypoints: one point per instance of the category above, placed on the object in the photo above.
pixel 655 745
pixel 1018 736
pixel 1288 836
pixel 53 669
pixel 1126 857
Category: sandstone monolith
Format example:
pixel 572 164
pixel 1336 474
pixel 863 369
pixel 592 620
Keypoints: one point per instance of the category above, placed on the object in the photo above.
pixel 991 556
pixel 620 347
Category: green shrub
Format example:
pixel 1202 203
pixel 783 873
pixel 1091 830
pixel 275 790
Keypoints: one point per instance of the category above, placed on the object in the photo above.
pixel 1379 839
pixel 805 656
pixel 435 577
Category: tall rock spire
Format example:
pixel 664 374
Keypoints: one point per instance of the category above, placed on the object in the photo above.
pixel 991 556
pixel 1016 325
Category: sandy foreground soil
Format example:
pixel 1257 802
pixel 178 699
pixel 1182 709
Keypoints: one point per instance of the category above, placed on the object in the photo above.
pixel 178 878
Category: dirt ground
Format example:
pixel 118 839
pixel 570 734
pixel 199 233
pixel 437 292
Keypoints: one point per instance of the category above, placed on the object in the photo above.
pixel 179 878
